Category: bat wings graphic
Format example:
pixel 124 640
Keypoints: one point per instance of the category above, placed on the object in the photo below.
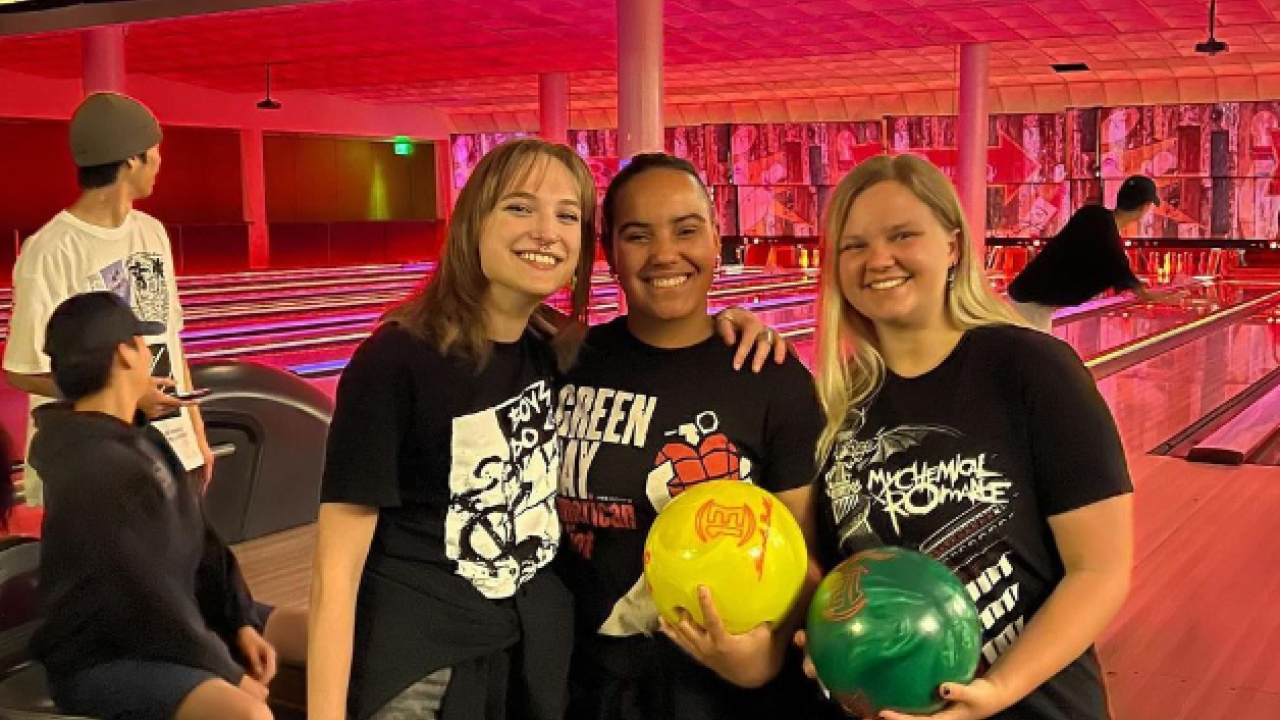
pixel 886 444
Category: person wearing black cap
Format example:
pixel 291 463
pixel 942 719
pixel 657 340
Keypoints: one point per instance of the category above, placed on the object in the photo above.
pixel 145 613
pixel 101 242
pixel 1085 258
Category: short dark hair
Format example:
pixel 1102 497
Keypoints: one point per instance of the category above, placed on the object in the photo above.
pixel 96 177
pixel 639 165
pixel 87 374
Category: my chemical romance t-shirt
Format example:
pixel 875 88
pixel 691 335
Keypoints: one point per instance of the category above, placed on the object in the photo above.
pixel 641 424
pixel 966 463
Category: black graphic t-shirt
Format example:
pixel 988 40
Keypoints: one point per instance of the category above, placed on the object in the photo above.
pixel 69 256
pixel 966 463
pixel 641 424
pixel 1085 258
pixel 463 468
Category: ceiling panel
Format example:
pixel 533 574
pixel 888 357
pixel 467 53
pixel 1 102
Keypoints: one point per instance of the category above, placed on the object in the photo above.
pixel 483 56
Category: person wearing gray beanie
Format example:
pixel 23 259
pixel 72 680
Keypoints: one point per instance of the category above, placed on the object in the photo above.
pixel 110 129
pixel 101 242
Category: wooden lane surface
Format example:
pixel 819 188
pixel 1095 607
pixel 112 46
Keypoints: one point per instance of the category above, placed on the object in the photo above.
pixel 278 567
pixel 1156 399
pixel 1200 634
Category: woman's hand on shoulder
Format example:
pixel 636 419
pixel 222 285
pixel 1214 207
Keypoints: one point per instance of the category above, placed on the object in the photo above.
pixel 753 338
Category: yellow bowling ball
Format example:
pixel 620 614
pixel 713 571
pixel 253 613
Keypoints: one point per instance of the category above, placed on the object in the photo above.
pixel 739 541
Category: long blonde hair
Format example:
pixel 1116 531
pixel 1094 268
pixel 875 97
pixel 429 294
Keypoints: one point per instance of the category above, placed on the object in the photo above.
pixel 850 367
pixel 448 312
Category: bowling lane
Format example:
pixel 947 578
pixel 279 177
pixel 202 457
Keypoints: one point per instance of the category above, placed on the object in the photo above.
pixel 192 288
pixel 309 343
pixel 1096 334
pixel 335 279
pixel 249 319
pixel 279 300
pixel 260 277
pixel 330 338
pixel 1156 399
pixel 227 315
pixel 792 313
pixel 257 278
pixel 269 294
pixel 1100 331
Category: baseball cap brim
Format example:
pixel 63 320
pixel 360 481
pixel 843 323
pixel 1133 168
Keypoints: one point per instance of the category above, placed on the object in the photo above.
pixel 1142 189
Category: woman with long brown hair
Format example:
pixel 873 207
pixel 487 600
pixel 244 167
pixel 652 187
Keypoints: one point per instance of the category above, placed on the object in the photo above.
pixel 429 597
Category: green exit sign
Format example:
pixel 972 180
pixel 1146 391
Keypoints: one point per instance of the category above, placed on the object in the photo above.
pixel 404 146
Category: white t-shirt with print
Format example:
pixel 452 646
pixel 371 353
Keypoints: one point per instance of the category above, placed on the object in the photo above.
pixel 68 257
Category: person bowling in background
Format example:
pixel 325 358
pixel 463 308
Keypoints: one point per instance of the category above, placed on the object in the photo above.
pixel 1085 258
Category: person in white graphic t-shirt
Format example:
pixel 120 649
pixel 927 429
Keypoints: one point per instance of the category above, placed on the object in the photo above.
pixel 101 242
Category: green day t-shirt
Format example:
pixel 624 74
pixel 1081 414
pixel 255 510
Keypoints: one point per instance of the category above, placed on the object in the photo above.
pixel 966 463
pixel 640 425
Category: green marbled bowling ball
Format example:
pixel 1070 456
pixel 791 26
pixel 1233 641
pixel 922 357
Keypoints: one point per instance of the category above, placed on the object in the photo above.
pixel 887 627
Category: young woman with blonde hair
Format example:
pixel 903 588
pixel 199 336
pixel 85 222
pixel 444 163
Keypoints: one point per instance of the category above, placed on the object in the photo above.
pixel 955 430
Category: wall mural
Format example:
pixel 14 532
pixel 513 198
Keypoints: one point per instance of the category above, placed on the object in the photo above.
pixel 1217 166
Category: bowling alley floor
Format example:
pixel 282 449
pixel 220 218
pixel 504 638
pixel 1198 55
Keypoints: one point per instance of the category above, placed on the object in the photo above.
pixel 1199 637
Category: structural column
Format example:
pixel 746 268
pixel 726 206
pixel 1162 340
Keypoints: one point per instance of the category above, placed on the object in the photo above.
pixel 102 59
pixel 253 183
pixel 553 107
pixel 639 77
pixel 443 150
pixel 971 138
